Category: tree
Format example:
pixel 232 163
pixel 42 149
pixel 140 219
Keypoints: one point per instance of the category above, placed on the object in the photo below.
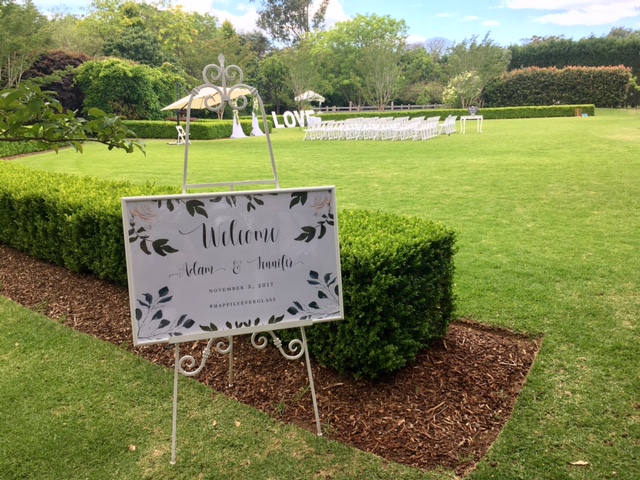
pixel 125 88
pixel 23 36
pixel 302 62
pixel 486 58
pixel 352 46
pixel 418 69
pixel 379 65
pixel 437 47
pixel 272 80
pixel 463 90
pixel 54 71
pixel 137 44
pixel 29 114
pixel 287 21
pixel 470 59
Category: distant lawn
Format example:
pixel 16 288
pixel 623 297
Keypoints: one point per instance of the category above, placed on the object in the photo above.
pixel 549 242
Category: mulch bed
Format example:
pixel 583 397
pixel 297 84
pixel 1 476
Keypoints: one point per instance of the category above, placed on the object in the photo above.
pixel 444 410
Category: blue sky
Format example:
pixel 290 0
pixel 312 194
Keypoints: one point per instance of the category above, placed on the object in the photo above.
pixel 508 21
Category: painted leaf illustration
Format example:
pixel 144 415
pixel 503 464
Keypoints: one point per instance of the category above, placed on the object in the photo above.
pixel 321 294
pixel 314 274
pixel 209 328
pixel 308 234
pixel 298 197
pixel 196 207
pixel 189 323
pixel 164 323
pixel 323 230
pixel 138 314
pixel 144 247
pixel 181 319
pixel 314 305
pixel 292 310
pixel 157 315
pixel 163 292
pixel 161 247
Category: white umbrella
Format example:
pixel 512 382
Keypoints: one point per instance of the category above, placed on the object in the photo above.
pixel 309 96
pixel 199 99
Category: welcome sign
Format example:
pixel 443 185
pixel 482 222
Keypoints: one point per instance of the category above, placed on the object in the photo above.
pixel 210 265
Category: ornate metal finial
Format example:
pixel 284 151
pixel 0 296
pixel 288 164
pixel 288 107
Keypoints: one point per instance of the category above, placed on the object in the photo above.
pixel 225 84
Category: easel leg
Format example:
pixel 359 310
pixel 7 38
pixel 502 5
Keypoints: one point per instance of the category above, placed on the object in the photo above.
pixel 311 385
pixel 231 361
pixel 175 405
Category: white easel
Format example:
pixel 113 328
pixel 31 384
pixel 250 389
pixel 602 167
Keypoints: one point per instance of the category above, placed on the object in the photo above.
pixel 187 364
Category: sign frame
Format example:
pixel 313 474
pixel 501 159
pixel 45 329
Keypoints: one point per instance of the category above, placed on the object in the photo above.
pixel 188 243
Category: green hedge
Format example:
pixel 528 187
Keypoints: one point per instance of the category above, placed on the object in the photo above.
pixel 10 149
pixel 68 220
pixel 487 113
pixel 199 130
pixel 397 274
pixel 601 86
pixel 397 271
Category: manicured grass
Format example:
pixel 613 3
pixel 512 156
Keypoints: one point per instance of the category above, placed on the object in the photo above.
pixel 549 236
pixel 73 407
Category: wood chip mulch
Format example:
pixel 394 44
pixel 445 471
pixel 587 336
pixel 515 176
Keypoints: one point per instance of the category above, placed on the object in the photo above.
pixel 444 410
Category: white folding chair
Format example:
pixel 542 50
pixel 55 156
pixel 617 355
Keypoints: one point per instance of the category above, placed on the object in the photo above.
pixel 182 135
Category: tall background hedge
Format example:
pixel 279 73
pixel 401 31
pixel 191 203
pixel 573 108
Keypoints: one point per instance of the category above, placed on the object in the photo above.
pixel 601 86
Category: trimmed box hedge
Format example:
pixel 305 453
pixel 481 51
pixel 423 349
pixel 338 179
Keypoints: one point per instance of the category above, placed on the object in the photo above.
pixel 10 149
pixel 198 130
pixel 397 274
pixel 397 270
pixel 487 113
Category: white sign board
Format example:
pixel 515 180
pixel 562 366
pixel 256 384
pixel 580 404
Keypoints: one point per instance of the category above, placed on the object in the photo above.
pixel 211 265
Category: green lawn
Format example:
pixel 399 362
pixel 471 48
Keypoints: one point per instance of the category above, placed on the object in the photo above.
pixel 547 212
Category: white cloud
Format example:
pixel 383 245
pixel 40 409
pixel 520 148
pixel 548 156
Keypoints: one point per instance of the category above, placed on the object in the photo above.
pixel 242 23
pixel 470 18
pixel 335 13
pixel 195 6
pixel 579 12
pixel 244 16
pixel 411 39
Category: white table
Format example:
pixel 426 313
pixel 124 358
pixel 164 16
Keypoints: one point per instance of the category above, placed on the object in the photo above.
pixel 463 122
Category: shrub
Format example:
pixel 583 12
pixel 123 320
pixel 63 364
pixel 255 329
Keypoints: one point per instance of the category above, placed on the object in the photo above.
pixel 488 113
pixel 200 130
pixel 397 274
pixel 601 86
pixel 68 220
pixel 10 149
pixel 397 270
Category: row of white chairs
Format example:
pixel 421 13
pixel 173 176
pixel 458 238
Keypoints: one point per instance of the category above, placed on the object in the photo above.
pixel 384 128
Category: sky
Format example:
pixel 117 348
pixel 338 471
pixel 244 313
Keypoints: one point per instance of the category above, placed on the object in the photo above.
pixel 508 22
